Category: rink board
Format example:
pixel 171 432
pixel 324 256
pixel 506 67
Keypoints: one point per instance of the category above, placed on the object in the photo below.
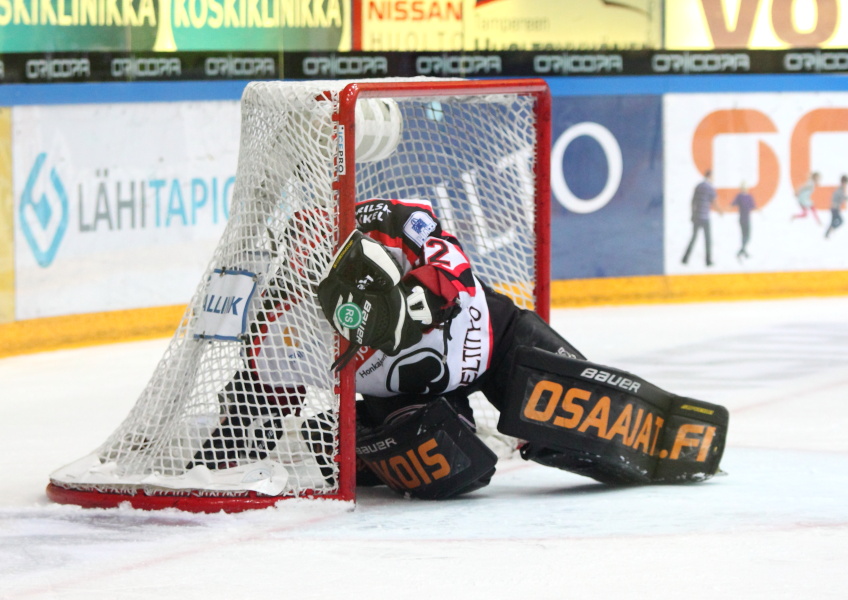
pixel 114 207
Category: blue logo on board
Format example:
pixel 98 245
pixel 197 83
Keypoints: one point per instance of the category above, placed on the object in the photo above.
pixel 43 212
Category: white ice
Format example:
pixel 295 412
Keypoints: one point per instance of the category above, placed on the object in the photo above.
pixel 775 527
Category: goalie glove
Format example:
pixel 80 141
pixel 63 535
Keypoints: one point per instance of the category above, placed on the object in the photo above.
pixel 365 300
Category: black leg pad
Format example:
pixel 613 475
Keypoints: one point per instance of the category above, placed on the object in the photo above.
pixel 609 425
pixel 432 454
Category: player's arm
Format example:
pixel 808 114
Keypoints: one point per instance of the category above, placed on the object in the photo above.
pixel 365 299
pixel 433 261
pixel 444 275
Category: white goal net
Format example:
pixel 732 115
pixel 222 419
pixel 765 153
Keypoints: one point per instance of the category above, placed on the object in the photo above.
pixel 244 408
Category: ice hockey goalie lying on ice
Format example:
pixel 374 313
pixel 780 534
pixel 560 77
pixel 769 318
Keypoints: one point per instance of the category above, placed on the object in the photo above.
pixel 426 333
pixel 431 333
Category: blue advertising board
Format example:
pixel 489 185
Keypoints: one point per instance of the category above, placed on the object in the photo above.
pixel 606 178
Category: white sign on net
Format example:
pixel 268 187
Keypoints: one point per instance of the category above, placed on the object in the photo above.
pixel 223 314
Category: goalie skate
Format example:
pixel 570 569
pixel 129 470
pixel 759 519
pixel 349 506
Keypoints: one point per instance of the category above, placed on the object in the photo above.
pixel 252 425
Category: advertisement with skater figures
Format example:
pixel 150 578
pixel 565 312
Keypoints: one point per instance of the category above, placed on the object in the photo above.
pixel 755 182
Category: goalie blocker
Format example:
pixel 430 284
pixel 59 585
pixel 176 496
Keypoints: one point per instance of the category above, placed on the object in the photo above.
pixel 608 424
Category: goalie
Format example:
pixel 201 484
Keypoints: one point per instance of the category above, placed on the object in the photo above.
pixel 427 333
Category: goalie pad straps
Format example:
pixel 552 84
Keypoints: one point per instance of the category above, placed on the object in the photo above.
pixel 432 454
pixel 608 424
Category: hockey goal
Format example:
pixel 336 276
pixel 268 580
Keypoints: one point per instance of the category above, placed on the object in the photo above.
pixel 244 409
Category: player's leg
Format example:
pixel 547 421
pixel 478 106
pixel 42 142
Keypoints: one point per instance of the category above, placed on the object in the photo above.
pixel 608 424
pixel 251 423
pixel 423 447
pixel 269 387
pixel 691 244
pixel 708 241
pixel 520 328
pixel 745 226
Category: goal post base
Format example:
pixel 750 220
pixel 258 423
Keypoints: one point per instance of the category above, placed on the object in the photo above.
pixel 196 501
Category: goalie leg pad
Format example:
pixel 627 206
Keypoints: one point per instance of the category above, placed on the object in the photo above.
pixel 608 424
pixel 432 454
pixel 525 329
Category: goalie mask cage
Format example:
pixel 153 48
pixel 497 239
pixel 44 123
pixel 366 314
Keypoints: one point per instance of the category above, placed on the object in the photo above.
pixel 244 410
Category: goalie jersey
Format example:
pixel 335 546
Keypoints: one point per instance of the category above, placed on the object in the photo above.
pixel 451 354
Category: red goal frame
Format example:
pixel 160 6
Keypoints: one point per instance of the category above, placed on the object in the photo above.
pixel 345 186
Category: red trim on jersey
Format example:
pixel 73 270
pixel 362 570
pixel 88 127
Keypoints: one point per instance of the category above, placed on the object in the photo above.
pixel 422 205
pixel 392 241
pixel 258 340
pixel 363 354
pixel 437 282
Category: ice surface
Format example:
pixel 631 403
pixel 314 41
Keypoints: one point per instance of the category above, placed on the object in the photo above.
pixel 775 527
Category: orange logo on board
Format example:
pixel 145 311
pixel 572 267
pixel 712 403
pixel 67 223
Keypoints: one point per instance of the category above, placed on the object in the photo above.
pixel 734 121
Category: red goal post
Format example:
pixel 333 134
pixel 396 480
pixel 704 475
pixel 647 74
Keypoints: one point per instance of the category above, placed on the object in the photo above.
pixel 243 410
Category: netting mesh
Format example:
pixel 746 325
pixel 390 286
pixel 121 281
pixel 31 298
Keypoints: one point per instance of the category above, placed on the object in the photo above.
pixel 244 399
pixel 472 158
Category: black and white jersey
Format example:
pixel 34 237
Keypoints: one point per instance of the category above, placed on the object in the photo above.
pixel 452 355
